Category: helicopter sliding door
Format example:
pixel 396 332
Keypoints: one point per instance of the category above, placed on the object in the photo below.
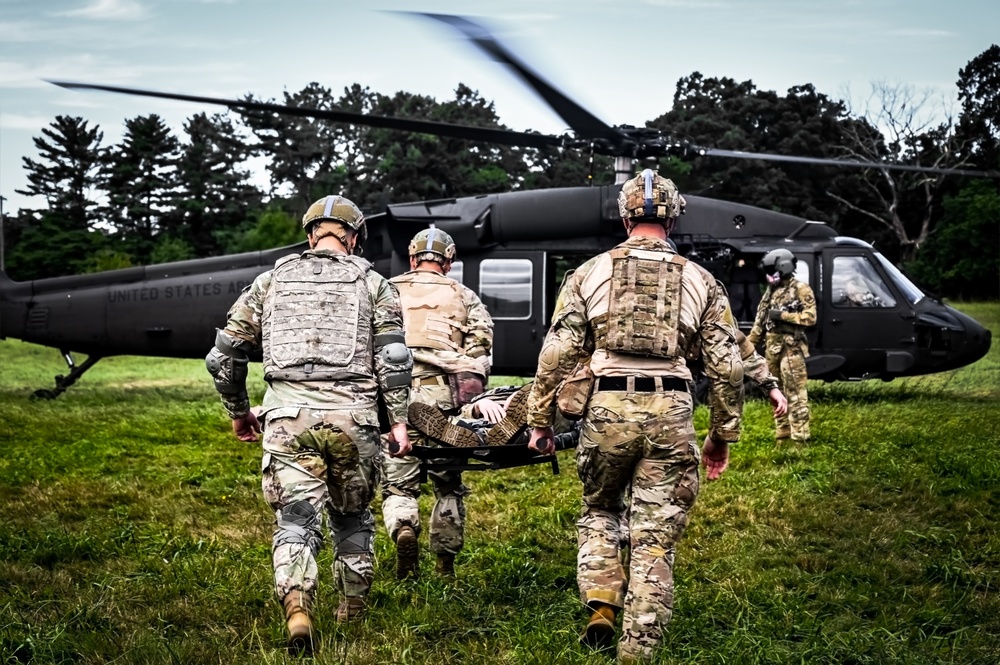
pixel 865 319
pixel 510 284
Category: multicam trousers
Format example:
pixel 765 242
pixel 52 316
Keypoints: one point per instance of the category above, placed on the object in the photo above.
pixel 401 487
pixel 316 459
pixel 643 443
pixel 786 359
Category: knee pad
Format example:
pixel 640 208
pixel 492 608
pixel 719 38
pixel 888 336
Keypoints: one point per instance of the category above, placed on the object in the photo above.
pixel 353 534
pixel 299 523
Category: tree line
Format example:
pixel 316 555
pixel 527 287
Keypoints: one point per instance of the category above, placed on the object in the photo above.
pixel 156 197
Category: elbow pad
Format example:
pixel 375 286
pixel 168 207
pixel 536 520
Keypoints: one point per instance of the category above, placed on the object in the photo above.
pixel 393 361
pixel 228 364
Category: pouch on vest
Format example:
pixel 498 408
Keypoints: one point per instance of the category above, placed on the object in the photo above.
pixel 644 311
pixel 465 387
pixel 574 392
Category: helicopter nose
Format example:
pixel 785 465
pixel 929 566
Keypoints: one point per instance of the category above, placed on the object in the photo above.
pixel 976 342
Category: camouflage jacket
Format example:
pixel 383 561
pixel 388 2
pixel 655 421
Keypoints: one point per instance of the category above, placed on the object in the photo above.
pixel 447 325
pixel 703 305
pixel 244 322
pixel 797 304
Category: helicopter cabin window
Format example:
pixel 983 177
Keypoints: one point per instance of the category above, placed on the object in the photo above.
pixel 505 287
pixel 856 283
pixel 457 271
pixel 801 271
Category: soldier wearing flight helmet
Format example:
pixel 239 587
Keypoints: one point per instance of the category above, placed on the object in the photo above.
pixel 331 332
pixel 634 311
pixel 787 308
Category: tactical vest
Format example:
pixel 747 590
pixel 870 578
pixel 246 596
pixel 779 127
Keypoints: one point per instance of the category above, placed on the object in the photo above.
pixel 434 314
pixel 317 319
pixel 643 315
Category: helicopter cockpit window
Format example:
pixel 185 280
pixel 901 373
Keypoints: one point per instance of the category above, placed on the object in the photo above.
pixel 457 271
pixel 505 287
pixel 909 289
pixel 857 284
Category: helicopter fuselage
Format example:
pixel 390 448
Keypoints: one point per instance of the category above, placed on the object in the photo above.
pixel 514 250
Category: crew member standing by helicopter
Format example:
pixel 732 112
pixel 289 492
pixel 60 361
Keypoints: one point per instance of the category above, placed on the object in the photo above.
pixel 331 332
pixel 786 310
pixel 451 336
pixel 635 310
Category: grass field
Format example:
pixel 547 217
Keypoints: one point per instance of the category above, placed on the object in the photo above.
pixel 134 531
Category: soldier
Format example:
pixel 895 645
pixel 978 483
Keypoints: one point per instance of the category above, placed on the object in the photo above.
pixel 331 333
pixel 786 310
pixel 635 310
pixel 451 336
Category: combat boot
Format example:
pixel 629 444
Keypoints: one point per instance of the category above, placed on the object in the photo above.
pixel 445 564
pixel 351 609
pixel 302 638
pixel 430 420
pixel 407 552
pixel 514 421
pixel 599 633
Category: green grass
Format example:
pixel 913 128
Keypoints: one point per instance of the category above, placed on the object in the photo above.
pixel 133 531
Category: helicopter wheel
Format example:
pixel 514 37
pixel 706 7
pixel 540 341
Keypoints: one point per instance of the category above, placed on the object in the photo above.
pixel 44 393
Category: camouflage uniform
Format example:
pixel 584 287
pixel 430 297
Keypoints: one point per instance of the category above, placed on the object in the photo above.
pixel 320 437
pixel 450 332
pixel 635 439
pixel 786 349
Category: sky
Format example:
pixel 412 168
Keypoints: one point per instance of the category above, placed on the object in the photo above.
pixel 621 60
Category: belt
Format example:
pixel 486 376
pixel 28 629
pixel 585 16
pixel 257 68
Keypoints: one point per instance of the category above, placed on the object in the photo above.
pixel 432 381
pixel 642 384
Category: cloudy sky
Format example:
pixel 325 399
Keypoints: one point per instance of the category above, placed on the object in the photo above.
pixel 619 59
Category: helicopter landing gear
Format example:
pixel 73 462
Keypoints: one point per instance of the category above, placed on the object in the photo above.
pixel 64 382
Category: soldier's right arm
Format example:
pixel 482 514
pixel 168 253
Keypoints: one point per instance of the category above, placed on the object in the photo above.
pixel 393 361
pixel 228 360
pixel 564 346
pixel 478 339
pixel 757 331
pixel 723 367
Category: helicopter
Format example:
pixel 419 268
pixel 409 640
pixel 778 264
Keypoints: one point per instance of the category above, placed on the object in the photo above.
pixel 514 249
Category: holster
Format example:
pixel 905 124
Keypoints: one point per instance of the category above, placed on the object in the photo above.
pixel 465 387
pixel 574 392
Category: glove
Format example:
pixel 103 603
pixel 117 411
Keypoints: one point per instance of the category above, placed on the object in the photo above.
pixel 774 315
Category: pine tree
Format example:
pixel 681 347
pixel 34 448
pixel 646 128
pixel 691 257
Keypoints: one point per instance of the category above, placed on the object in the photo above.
pixel 141 182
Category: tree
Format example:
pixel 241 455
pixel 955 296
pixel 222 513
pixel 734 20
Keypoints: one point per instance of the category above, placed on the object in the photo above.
pixel 140 176
pixel 896 125
pixel 723 113
pixel 303 153
pixel 962 258
pixel 213 189
pixel 979 93
pixel 67 174
pixel 403 166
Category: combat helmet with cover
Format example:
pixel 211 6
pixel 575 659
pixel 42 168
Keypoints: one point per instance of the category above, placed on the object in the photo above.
pixel 433 244
pixel 335 208
pixel 649 197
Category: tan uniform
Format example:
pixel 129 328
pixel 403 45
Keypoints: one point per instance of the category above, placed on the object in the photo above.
pixel 315 317
pixel 786 349
pixel 637 435
pixel 449 331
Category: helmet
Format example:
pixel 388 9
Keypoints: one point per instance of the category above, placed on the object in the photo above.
pixel 434 241
pixel 650 197
pixel 335 208
pixel 780 261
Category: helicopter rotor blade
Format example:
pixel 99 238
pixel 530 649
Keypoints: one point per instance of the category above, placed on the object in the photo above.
pixel 585 124
pixel 487 134
pixel 738 154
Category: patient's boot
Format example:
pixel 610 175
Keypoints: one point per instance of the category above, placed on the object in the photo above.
pixel 431 421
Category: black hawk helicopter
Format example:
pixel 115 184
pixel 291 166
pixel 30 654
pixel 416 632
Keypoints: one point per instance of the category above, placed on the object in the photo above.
pixel 514 248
